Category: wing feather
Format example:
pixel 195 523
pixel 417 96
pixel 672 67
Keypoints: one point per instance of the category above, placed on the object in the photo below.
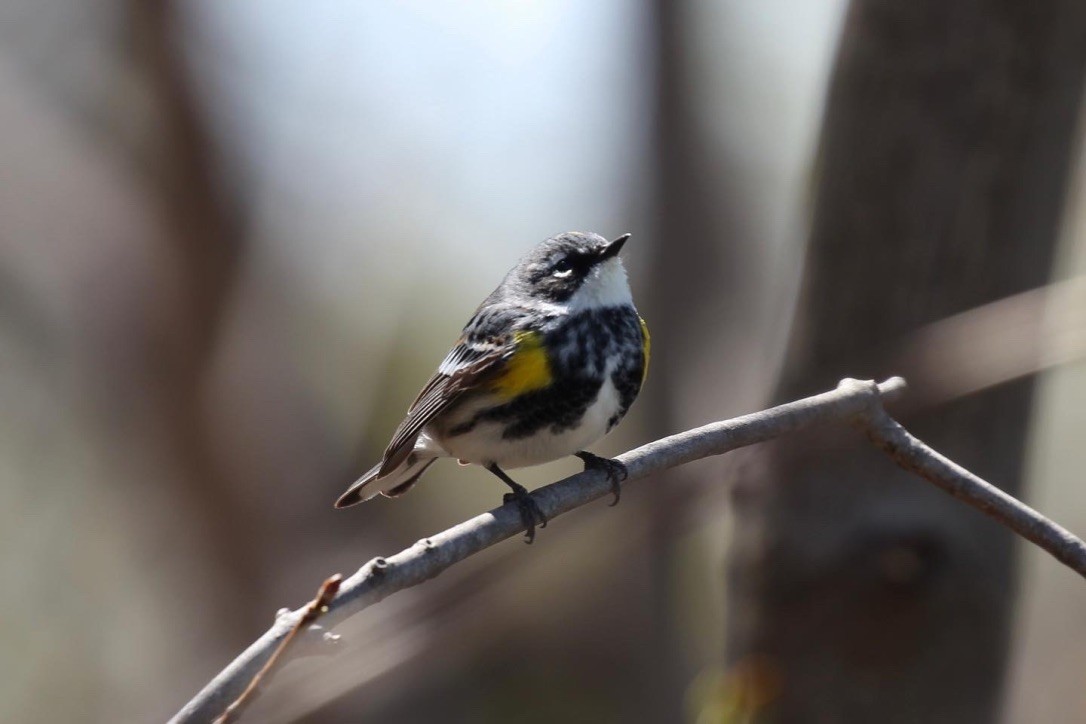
pixel 467 366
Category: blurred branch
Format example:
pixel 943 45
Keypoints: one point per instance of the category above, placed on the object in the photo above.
pixel 992 344
pixel 852 400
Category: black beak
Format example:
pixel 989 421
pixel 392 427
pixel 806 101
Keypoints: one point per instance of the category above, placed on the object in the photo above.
pixel 614 247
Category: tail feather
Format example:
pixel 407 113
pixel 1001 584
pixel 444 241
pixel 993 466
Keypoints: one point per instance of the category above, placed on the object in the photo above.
pixel 393 484
pixel 406 485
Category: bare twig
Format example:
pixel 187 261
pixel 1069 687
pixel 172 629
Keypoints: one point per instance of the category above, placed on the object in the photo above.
pixel 855 400
pixel 312 611
pixel 916 457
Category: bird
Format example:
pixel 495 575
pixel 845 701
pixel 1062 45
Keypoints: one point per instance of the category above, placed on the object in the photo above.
pixel 547 365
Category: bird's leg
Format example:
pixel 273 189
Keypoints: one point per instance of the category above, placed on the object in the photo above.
pixel 530 514
pixel 614 470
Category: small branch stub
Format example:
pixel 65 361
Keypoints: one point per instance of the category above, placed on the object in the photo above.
pixel 314 610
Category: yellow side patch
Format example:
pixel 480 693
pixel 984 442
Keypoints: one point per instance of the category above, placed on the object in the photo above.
pixel 528 369
pixel 647 347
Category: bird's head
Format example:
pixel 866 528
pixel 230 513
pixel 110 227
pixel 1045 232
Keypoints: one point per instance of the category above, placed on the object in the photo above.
pixel 576 269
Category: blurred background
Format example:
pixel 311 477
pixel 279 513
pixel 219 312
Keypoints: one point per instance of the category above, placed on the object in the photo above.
pixel 235 238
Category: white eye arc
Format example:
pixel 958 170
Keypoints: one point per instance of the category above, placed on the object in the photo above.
pixel 562 268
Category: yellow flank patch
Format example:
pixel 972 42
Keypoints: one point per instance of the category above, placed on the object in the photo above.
pixel 528 369
pixel 647 347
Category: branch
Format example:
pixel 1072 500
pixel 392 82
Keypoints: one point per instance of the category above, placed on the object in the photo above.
pixel 852 400
pixel 313 610
pixel 916 457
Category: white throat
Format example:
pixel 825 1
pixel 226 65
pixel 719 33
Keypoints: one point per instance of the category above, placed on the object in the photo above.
pixel 606 286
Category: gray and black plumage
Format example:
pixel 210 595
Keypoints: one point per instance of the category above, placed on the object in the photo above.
pixel 549 363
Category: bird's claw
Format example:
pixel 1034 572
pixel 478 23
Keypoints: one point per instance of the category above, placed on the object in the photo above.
pixel 615 471
pixel 530 512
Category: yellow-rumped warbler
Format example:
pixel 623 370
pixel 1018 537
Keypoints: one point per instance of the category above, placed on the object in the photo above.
pixel 549 363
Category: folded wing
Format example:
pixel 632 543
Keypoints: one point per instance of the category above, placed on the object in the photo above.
pixel 469 366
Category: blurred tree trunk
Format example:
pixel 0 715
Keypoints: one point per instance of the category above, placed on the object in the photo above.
pixel 858 594
pixel 204 240
pixel 118 257
pixel 698 274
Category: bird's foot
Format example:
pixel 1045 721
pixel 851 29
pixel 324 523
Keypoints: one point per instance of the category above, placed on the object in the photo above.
pixel 616 471
pixel 530 513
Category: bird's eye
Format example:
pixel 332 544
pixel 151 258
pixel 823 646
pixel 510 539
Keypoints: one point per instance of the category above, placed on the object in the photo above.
pixel 563 268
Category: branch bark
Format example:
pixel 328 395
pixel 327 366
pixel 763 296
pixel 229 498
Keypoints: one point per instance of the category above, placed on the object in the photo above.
pixel 853 400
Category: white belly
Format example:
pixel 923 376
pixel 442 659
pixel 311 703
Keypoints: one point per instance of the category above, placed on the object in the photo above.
pixel 484 444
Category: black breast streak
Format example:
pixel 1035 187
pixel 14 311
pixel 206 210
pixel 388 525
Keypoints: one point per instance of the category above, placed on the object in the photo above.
pixel 629 374
pixel 579 351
